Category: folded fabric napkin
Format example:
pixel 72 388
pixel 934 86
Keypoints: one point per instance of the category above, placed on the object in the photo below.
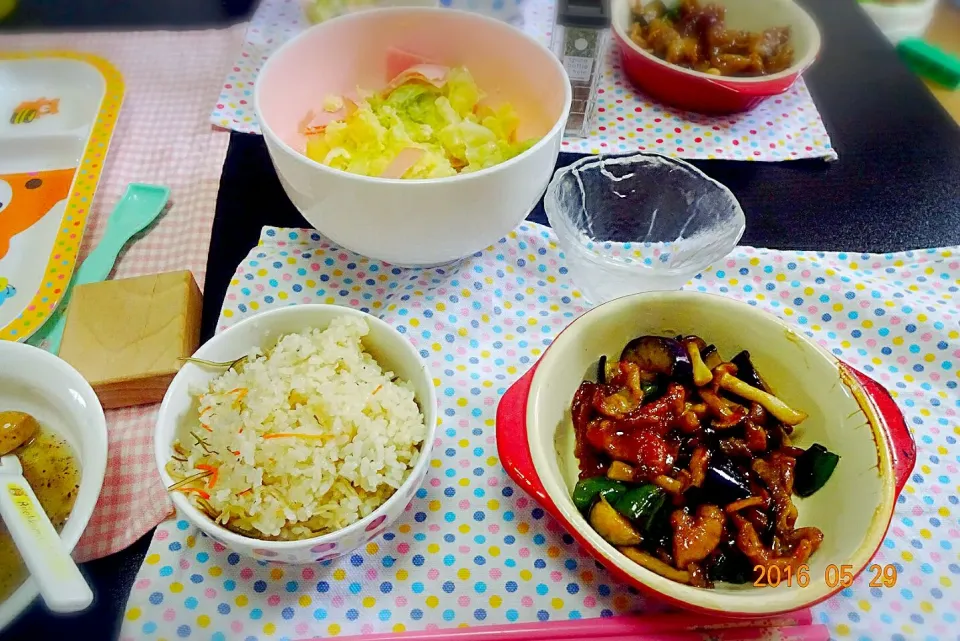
pixel 474 550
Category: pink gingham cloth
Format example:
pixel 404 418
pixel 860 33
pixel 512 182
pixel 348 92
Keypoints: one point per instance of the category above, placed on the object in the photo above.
pixel 163 137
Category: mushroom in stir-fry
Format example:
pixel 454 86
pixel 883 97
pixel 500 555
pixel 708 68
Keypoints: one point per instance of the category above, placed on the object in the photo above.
pixel 686 463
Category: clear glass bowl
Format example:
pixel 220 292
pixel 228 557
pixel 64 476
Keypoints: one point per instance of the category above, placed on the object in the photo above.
pixel 639 223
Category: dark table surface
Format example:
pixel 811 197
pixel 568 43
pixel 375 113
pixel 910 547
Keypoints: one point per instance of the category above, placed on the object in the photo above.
pixel 895 187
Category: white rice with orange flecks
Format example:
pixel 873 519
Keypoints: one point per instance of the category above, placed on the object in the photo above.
pixel 305 439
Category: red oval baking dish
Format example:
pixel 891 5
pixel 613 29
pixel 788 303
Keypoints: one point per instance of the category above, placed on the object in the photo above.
pixel 705 93
pixel 848 413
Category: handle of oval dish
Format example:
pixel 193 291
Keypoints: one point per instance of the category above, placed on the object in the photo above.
pixel 903 447
pixel 513 445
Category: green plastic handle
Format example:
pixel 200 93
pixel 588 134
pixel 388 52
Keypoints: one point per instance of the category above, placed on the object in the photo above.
pixel 139 207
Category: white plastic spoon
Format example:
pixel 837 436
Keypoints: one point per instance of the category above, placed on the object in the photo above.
pixel 62 586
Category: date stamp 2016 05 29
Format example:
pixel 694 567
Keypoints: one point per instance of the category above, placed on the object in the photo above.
pixel 772 576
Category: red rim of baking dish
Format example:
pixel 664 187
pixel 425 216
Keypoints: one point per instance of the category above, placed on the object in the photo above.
pixel 513 447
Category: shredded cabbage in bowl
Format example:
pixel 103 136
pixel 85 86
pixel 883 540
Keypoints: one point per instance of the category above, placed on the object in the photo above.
pixel 428 123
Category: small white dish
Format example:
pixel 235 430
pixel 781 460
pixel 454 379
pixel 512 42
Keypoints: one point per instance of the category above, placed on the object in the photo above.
pixel 388 346
pixel 39 383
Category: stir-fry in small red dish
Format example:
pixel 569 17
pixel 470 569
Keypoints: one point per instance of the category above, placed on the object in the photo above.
pixel 686 463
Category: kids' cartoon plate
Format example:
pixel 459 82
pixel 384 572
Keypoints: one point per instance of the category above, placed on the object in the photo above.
pixel 57 114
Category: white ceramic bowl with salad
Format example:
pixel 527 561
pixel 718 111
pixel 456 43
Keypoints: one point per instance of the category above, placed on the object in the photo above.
pixel 474 112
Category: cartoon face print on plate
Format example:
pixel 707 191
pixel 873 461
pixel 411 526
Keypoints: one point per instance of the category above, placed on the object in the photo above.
pixel 26 198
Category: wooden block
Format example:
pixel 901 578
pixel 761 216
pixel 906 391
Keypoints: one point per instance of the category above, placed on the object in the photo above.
pixel 126 337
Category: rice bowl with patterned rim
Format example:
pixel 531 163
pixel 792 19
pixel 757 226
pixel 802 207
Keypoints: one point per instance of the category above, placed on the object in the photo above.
pixel 299 440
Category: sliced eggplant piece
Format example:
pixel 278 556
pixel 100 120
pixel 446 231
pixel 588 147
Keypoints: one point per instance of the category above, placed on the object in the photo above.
pixel 723 482
pixel 661 355
pixel 641 504
pixel 613 526
pixel 602 370
pixel 620 471
pixel 746 372
pixel 814 469
pixel 729 565
pixel 711 357
pixel 587 491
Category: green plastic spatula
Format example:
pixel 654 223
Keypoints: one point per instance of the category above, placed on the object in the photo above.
pixel 139 207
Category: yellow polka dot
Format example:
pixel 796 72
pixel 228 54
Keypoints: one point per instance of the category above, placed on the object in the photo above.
pixel 339 574
pixel 369 602
pixel 553 551
pixel 463 574
pixel 153 559
pixel 333 629
pixel 215 570
pixel 276 574
pixel 432 601
pixel 305 601
pixel 176 587
pixel 556 603
pixel 399 627
pixel 191 541
pixel 843 629
pixel 228 313
pixel 943 511
pixel 462 402
pixel 372 548
pixel 435 463
pixel 946 582
pixel 464 482
pixel 133 614
pixel 269 628
pixel 241 601
pixel 925 533
pixel 203 620
pixel 526 575
pixel 402 575
pixel 926 606
pixel 494 551
pixel 864 605
pixel 433 548
pixel 907 555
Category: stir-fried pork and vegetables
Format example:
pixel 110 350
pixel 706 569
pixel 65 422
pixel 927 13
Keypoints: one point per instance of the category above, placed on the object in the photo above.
pixel 686 463
pixel 696 37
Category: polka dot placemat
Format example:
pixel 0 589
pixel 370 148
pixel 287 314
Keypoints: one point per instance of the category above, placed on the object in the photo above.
pixel 786 127
pixel 472 549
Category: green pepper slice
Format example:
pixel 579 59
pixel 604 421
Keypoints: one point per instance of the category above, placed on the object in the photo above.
pixel 587 491
pixel 814 469
pixel 641 503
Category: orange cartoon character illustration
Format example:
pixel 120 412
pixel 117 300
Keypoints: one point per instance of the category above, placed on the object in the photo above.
pixel 26 198
pixel 30 110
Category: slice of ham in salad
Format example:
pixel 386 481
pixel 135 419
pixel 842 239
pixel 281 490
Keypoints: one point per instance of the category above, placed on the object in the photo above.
pixel 403 161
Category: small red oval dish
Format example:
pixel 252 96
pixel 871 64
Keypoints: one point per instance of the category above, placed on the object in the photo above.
pixel 705 93
pixel 849 414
